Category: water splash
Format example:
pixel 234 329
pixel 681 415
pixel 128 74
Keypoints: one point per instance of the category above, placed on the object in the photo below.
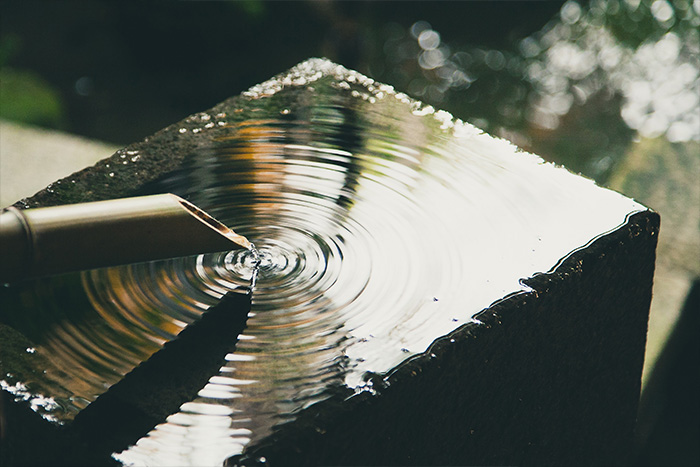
pixel 247 263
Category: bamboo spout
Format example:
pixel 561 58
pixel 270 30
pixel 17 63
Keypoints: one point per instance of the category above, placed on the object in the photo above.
pixel 53 240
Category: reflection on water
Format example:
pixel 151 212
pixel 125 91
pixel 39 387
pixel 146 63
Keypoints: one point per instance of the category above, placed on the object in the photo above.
pixel 381 223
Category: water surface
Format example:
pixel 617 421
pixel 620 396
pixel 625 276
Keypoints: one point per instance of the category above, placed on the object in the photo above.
pixel 382 225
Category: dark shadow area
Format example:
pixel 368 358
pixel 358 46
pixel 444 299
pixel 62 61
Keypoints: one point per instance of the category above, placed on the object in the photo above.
pixel 670 408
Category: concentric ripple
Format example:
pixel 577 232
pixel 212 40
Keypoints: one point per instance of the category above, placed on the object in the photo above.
pixel 380 225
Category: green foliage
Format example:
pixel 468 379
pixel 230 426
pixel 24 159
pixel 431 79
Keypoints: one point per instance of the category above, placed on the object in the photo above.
pixel 27 98
pixel 634 22
pixel 24 96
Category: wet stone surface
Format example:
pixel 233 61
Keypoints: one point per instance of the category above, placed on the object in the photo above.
pixel 358 331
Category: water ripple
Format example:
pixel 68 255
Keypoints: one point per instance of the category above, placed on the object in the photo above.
pixel 381 225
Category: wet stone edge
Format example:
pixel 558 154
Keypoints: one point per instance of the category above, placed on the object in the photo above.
pixel 299 441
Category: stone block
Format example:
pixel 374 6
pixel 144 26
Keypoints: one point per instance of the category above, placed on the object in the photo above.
pixel 429 295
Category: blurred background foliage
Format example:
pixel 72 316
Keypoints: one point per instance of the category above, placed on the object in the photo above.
pixel 543 74
pixel 24 95
pixel 123 70
pixel 608 88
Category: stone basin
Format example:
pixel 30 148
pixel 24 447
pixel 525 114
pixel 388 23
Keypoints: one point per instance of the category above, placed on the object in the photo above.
pixel 430 295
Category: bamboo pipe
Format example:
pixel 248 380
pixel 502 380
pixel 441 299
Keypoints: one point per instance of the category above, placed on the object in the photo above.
pixel 54 240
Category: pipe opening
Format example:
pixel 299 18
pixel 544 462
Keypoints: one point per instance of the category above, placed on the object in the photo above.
pixel 214 224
